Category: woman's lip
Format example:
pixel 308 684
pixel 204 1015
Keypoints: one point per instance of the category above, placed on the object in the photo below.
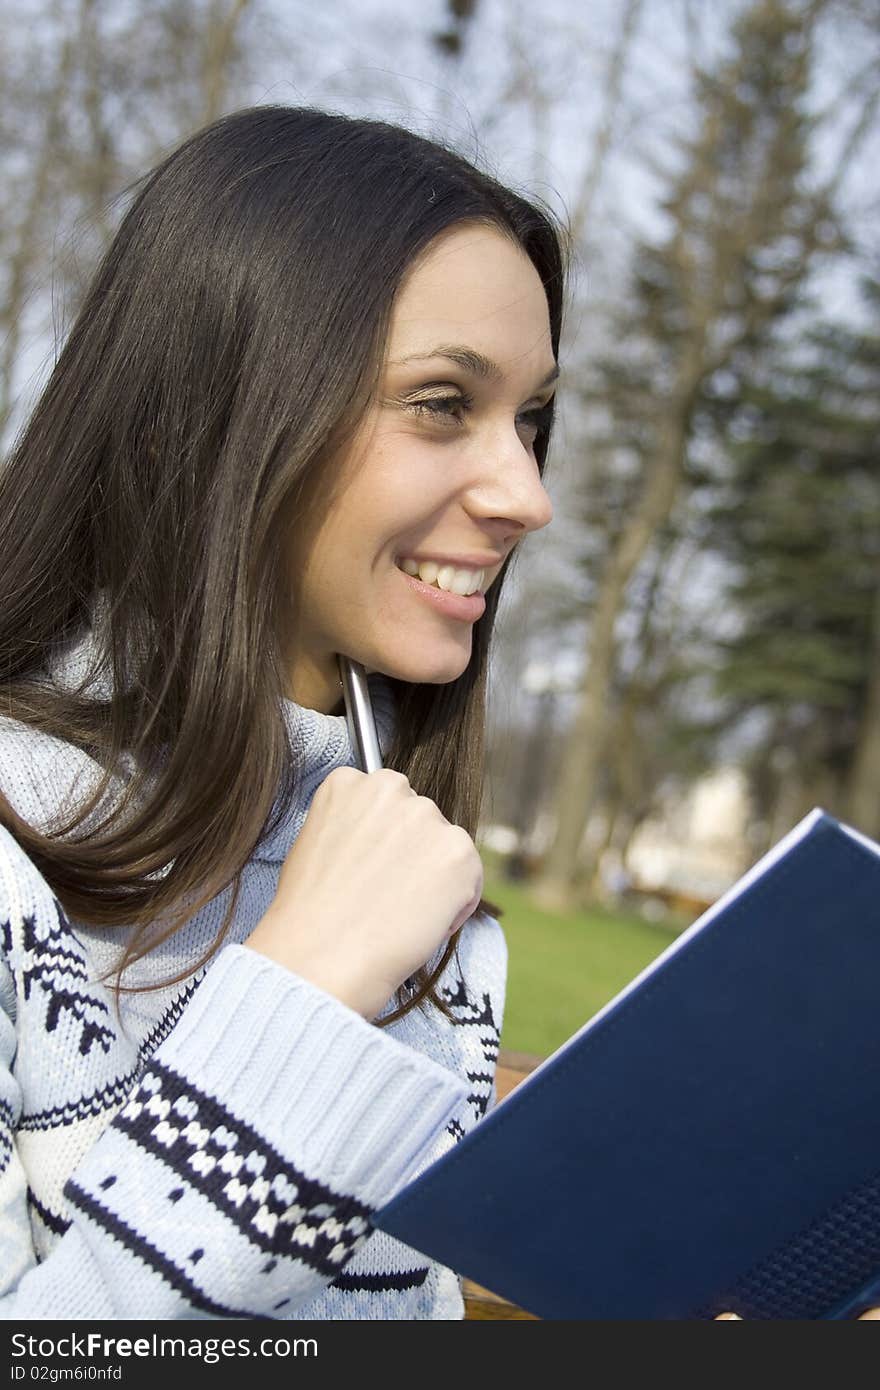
pixel 472 561
pixel 466 607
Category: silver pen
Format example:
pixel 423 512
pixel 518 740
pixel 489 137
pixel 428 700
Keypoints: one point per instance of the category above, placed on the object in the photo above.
pixel 362 726
pixel 359 712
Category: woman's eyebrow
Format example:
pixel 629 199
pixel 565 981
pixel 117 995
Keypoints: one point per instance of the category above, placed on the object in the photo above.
pixel 471 361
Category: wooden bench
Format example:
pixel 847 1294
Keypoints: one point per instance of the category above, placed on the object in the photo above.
pixel 480 1302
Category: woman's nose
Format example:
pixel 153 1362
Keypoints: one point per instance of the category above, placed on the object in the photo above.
pixel 508 484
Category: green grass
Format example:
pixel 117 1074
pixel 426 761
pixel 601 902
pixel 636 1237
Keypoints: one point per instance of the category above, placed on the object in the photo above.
pixel 562 969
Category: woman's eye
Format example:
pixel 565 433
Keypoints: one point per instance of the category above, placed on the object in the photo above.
pixel 454 408
pixel 442 407
pixel 536 421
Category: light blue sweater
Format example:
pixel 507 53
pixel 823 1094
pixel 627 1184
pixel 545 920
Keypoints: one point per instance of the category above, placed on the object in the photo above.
pixel 219 1150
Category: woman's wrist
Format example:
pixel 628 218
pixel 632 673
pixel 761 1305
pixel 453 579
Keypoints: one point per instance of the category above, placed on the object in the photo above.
pixel 340 982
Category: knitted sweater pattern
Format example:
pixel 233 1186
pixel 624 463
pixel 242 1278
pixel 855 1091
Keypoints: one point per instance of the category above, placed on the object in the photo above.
pixel 216 1148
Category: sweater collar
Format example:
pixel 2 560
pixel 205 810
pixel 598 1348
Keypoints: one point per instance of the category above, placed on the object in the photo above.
pixel 319 742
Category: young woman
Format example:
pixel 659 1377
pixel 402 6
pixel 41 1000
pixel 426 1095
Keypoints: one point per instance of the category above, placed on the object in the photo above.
pixel 249 991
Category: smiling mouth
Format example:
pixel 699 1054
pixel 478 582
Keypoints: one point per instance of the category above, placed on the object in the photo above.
pixel 467 608
pixel 469 581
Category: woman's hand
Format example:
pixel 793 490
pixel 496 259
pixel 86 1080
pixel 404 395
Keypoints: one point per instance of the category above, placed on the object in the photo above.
pixel 374 883
pixel 869 1313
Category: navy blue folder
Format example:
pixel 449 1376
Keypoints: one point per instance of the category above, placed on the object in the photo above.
pixel 710 1140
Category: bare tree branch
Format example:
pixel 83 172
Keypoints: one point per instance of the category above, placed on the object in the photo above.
pixel 613 86
pixel 26 249
pixel 221 38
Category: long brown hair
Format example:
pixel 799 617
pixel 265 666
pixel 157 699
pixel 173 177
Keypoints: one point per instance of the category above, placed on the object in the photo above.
pixel 230 341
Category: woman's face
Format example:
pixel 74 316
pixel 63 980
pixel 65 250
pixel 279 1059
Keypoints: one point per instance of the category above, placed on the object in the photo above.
pixel 442 466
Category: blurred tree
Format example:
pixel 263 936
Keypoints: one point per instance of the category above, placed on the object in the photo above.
pixel 585 200
pixel 745 227
pixel 91 94
pixel 451 39
pixel 661 734
pixel 450 43
pixel 540 610
pixel 799 520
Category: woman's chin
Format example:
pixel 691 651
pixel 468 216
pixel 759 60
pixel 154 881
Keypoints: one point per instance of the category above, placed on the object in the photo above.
pixel 424 676
pixel 431 667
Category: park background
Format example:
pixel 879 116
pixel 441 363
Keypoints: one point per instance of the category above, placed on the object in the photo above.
pixel 688 657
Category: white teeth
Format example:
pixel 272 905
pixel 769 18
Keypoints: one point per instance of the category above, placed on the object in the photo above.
pixel 428 571
pixel 446 577
pixel 454 581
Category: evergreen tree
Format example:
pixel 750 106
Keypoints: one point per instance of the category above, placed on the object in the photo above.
pixel 744 228
pixel 799 522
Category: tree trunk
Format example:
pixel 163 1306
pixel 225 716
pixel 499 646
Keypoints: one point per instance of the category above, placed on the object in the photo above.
pixel 538 743
pixel 554 888
pixel 219 46
pixel 863 792
pixel 27 250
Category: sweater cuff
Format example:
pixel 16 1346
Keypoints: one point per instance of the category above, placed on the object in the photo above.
pixel 358 1107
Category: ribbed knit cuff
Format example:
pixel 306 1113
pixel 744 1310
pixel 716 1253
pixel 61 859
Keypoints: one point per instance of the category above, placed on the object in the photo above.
pixel 346 1101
